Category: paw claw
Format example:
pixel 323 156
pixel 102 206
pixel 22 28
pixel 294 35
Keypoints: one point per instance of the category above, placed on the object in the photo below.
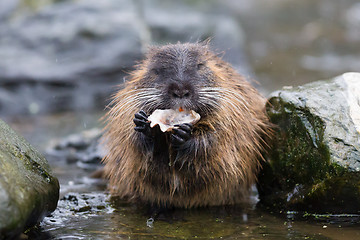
pixel 181 134
pixel 141 123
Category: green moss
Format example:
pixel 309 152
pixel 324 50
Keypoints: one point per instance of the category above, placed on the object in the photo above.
pixel 36 167
pixel 299 152
pixel 300 175
pixel 335 192
pixel 29 162
pixel 29 192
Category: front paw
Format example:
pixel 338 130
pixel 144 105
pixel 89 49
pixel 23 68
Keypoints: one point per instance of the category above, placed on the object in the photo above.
pixel 141 123
pixel 181 134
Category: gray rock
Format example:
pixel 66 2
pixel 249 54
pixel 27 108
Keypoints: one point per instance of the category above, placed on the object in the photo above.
pixel 7 8
pixel 70 54
pixel 66 56
pixel 28 191
pixel 315 159
pixel 83 148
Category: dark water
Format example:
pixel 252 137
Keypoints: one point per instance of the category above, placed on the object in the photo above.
pixel 129 222
pixel 288 43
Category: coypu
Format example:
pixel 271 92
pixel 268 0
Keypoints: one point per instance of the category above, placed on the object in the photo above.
pixel 212 162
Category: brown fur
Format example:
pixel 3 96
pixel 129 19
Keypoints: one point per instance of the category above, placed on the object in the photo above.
pixel 228 142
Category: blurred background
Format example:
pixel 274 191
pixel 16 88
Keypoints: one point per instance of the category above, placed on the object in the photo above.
pixel 59 55
pixel 60 60
pixel 67 56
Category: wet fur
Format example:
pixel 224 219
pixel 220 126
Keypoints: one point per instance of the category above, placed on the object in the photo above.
pixel 216 166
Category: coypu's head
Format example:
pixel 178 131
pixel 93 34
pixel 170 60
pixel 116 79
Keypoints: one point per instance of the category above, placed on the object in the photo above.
pixel 177 76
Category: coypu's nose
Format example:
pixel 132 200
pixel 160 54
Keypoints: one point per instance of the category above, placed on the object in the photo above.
pixel 179 91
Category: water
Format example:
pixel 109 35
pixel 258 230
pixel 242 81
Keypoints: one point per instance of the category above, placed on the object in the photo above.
pixel 211 223
pixel 126 221
pixel 296 42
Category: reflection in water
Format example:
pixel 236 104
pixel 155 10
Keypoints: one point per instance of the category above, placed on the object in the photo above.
pixel 92 216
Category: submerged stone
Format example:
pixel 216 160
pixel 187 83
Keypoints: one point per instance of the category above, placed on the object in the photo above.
pixel 314 162
pixel 83 148
pixel 28 191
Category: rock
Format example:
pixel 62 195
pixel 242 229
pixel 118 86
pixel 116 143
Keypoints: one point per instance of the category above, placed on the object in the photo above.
pixel 7 8
pixel 66 56
pixel 28 190
pixel 69 55
pixel 83 148
pixel 79 205
pixel 314 164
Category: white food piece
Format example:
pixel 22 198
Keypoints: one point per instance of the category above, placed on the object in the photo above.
pixel 166 119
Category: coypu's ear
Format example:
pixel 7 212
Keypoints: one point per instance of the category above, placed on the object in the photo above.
pixel 150 50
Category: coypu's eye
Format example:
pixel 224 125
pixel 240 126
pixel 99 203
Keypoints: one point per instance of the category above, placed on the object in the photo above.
pixel 159 71
pixel 200 66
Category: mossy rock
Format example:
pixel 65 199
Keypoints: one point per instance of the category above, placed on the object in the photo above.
pixel 28 190
pixel 314 162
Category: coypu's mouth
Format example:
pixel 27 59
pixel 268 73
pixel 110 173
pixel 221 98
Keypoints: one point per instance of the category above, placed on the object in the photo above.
pixel 169 118
pixel 198 104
